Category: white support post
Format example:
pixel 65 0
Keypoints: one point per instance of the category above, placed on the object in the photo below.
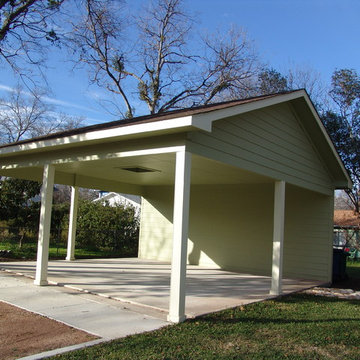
pixel 180 237
pixel 44 225
pixel 72 223
pixel 278 238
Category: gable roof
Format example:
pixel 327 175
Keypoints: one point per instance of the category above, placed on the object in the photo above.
pixel 192 119
pixel 145 119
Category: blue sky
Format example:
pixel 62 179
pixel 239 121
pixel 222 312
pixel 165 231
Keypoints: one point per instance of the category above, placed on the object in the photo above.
pixel 320 34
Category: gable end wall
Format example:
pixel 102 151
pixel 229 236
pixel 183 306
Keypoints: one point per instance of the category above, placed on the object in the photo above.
pixel 269 142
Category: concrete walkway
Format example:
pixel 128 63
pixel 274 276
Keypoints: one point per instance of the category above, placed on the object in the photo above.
pixel 146 284
pixel 108 319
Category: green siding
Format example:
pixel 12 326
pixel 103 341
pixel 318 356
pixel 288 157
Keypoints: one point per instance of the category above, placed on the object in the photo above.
pixel 308 234
pixel 231 228
pixel 269 142
pixel 156 230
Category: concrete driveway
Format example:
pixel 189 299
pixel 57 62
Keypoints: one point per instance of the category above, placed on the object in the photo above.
pixel 106 318
pixel 146 284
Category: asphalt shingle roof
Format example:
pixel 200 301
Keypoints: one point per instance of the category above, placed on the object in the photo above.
pixel 149 118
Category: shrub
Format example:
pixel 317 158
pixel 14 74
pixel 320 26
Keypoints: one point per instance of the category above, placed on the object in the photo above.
pixel 104 227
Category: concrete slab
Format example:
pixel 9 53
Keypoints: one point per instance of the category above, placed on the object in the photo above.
pixel 146 284
pixel 108 319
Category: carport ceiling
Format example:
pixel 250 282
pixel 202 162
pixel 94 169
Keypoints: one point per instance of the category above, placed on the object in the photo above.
pixel 204 171
pixel 162 169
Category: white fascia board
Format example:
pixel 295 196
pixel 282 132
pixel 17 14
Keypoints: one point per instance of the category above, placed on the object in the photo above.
pixel 180 123
pixel 81 158
pixel 206 119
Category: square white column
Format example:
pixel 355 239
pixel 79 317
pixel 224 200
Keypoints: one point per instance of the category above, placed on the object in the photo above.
pixel 72 223
pixel 180 237
pixel 44 225
pixel 278 238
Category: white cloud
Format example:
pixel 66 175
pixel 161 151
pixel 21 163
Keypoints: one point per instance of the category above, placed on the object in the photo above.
pixel 94 95
pixel 6 88
pixel 66 103
pixel 92 121
pixel 56 102
pixel 51 100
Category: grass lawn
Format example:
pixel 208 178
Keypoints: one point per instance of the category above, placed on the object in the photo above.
pixel 353 269
pixel 28 252
pixel 353 281
pixel 292 327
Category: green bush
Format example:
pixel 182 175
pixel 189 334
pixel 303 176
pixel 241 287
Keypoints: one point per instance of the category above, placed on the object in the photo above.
pixel 104 227
pixel 102 230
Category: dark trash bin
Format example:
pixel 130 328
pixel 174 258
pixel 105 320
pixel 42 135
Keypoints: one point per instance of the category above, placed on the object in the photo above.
pixel 339 265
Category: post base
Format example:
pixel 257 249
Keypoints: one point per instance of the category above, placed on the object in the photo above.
pixel 176 319
pixel 40 282
pixel 275 292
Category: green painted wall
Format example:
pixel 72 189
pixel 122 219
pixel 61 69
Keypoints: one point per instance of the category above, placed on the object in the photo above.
pixel 231 228
pixel 308 234
pixel 270 142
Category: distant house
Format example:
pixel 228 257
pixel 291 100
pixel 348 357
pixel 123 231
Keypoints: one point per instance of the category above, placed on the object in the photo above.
pixel 346 228
pixel 113 198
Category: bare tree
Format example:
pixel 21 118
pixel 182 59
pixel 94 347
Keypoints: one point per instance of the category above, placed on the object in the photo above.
pixel 163 31
pixel 296 77
pixel 26 115
pixel 159 69
pixel 342 201
pixel 24 24
pixel 62 194
pixel 305 77
pixel 96 40
pixel 231 67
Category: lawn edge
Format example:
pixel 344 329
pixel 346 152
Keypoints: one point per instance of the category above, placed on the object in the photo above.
pixel 50 353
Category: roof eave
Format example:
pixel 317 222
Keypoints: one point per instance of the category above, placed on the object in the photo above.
pixel 193 122
pixel 181 124
pixel 145 127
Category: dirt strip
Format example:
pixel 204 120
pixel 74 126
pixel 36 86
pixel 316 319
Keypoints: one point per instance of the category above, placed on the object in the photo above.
pixel 24 333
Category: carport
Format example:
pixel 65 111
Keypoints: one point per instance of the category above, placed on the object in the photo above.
pixel 266 165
